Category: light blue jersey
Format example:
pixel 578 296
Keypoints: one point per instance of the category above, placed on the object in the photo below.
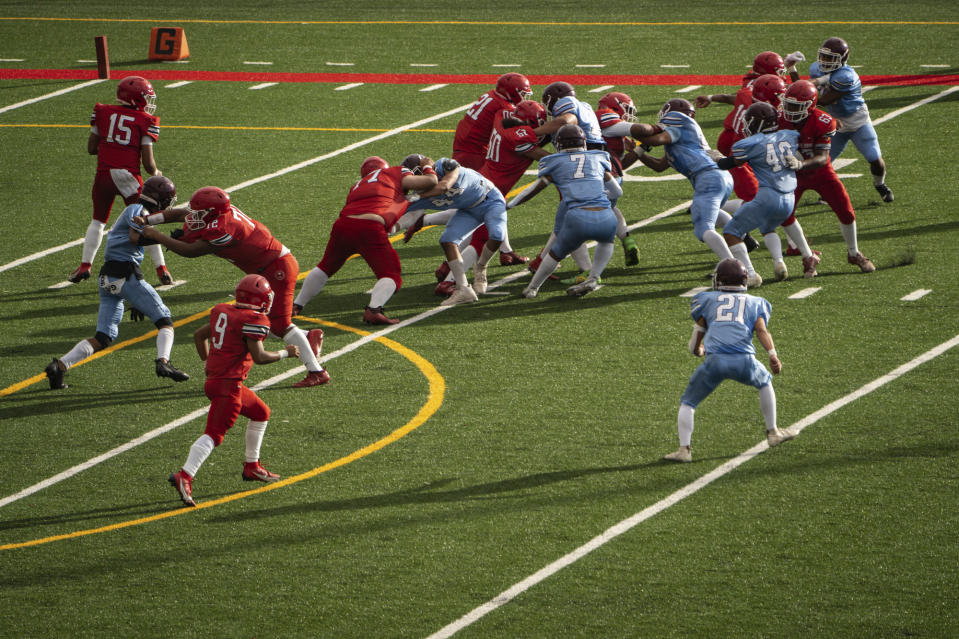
pixel 730 321
pixel 585 212
pixel 585 117
pixel 118 245
pixel 687 148
pixel 844 81
pixel 476 201
pixel 765 153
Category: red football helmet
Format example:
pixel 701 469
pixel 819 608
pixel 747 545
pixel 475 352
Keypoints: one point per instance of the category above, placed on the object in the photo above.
pixel 205 205
pixel 680 105
pixel 138 93
pixel 833 54
pixel 769 88
pixel 554 92
pixel 769 62
pixel 730 275
pixel 759 118
pixel 373 163
pixel 531 112
pixel 254 292
pixel 514 87
pixel 620 103
pixel 159 192
pixel 799 100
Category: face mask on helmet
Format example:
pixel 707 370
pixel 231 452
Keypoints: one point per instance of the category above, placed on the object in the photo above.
pixel 799 100
pixel 832 54
pixel 254 292
pixel 621 103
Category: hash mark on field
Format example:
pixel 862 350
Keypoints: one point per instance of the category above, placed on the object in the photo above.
pixel 12 60
pixel 256 62
pixel 340 64
pixel 167 287
pixel 257 87
pixel 912 297
pixel 935 66
pixel 175 61
pixel 177 85
pixel 506 65
pixel 841 163
pixel 347 87
pixel 433 87
pixel 590 66
pixel 605 87
pixel 63 284
pixel 806 292
pixel 694 291
pixel 86 61
pixel 691 87
pixel 423 64
pixel 674 66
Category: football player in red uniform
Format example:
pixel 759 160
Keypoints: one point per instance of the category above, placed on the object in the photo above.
pixel 213 225
pixel 372 208
pixel 614 109
pixel 473 131
pixel 229 344
pixel 122 137
pixel 816 129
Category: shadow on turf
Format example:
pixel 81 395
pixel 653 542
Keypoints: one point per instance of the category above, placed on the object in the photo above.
pixel 43 401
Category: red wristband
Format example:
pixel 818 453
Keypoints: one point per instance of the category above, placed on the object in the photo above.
pixel 428 170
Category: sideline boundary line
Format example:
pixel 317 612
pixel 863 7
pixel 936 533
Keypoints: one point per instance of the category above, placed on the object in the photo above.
pixel 627 524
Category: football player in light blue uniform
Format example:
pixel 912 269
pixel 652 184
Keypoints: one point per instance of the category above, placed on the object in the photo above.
pixel 689 154
pixel 586 183
pixel 840 92
pixel 772 154
pixel 476 201
pixel 121 280
pixel 726 319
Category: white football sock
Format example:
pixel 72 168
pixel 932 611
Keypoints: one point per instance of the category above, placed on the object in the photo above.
pixel 486 256
pixel 602 255
pixel 441 217
pixel 849 234
pixel 739 252
pixel 715 241
pixel 774 245
pixel 549 245
pixel 458 271
pixel 580 255
pixel 767 404
pixel 81 351
pixel 468 256
pixel 731 206
pixel 722 218
pixel 164 342
pixel 794 233
pixel 296 335
pixel 312 285
pixel 91 241
pixel 199 451
pixel 155 252
pixel 254 438
pixel 382 292
pixel 685 424
pixel 622 230
pixel 545 269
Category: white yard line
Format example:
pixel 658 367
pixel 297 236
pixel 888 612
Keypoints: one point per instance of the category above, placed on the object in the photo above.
pixel 347 87
pixel 47 96
pixel 605 87
pixel 915 295
pixel 627 524
pixel 690 88
pixel 914 105
pixel 806 292
pixel 433 87
pixel 263 85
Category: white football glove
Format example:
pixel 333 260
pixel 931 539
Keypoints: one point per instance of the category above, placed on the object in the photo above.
pixel 792 162
pixel 793 58
pixel 412 197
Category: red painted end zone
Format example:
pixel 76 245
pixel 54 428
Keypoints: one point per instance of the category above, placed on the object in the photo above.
pixel 179 75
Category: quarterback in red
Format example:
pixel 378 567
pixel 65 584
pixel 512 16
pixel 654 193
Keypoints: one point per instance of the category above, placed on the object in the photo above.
pixel 213 225
pixel 373 206
pixel 230 343
pixel 816 129
pixel 472 133
pixel 121 136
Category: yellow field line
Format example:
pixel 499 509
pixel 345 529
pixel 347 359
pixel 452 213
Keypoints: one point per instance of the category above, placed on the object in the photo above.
pixel 434 401
pixel 174 21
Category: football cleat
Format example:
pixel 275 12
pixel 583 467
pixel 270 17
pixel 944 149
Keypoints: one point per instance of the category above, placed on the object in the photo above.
pixel 529 292
pixel 683 454
pixel 82 273
pixel 461 296
pixel 479 280
pixel 754 281
pixel 376 316
pixel 410 232
pixel 533 266
pixel 441 272
pixel 862 262
pixel 183 483
pixel 885 193
pixel 782 273
pixel 512 258
pixel 315 338
pixel 750 242
pixel 163 274
pixel 792 251
pixel 776 436
pixel 632 251
pixel 55 375
pixel 809 265
pixel 313 378
pixel 583 288
pixel 579 279
pixel 445 288
pixel 252 471
pixel 164 369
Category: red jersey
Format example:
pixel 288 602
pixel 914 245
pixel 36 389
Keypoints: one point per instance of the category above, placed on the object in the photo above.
pixel 815 133
pixel 380 192
pixel 229 356
pixel 473 131
pixel 122 130
pixel 505 163
pixel 744 99
pixel 240 239
pixel 607 118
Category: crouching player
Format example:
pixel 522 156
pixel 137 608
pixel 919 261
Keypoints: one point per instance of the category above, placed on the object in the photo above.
pixel 236 335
